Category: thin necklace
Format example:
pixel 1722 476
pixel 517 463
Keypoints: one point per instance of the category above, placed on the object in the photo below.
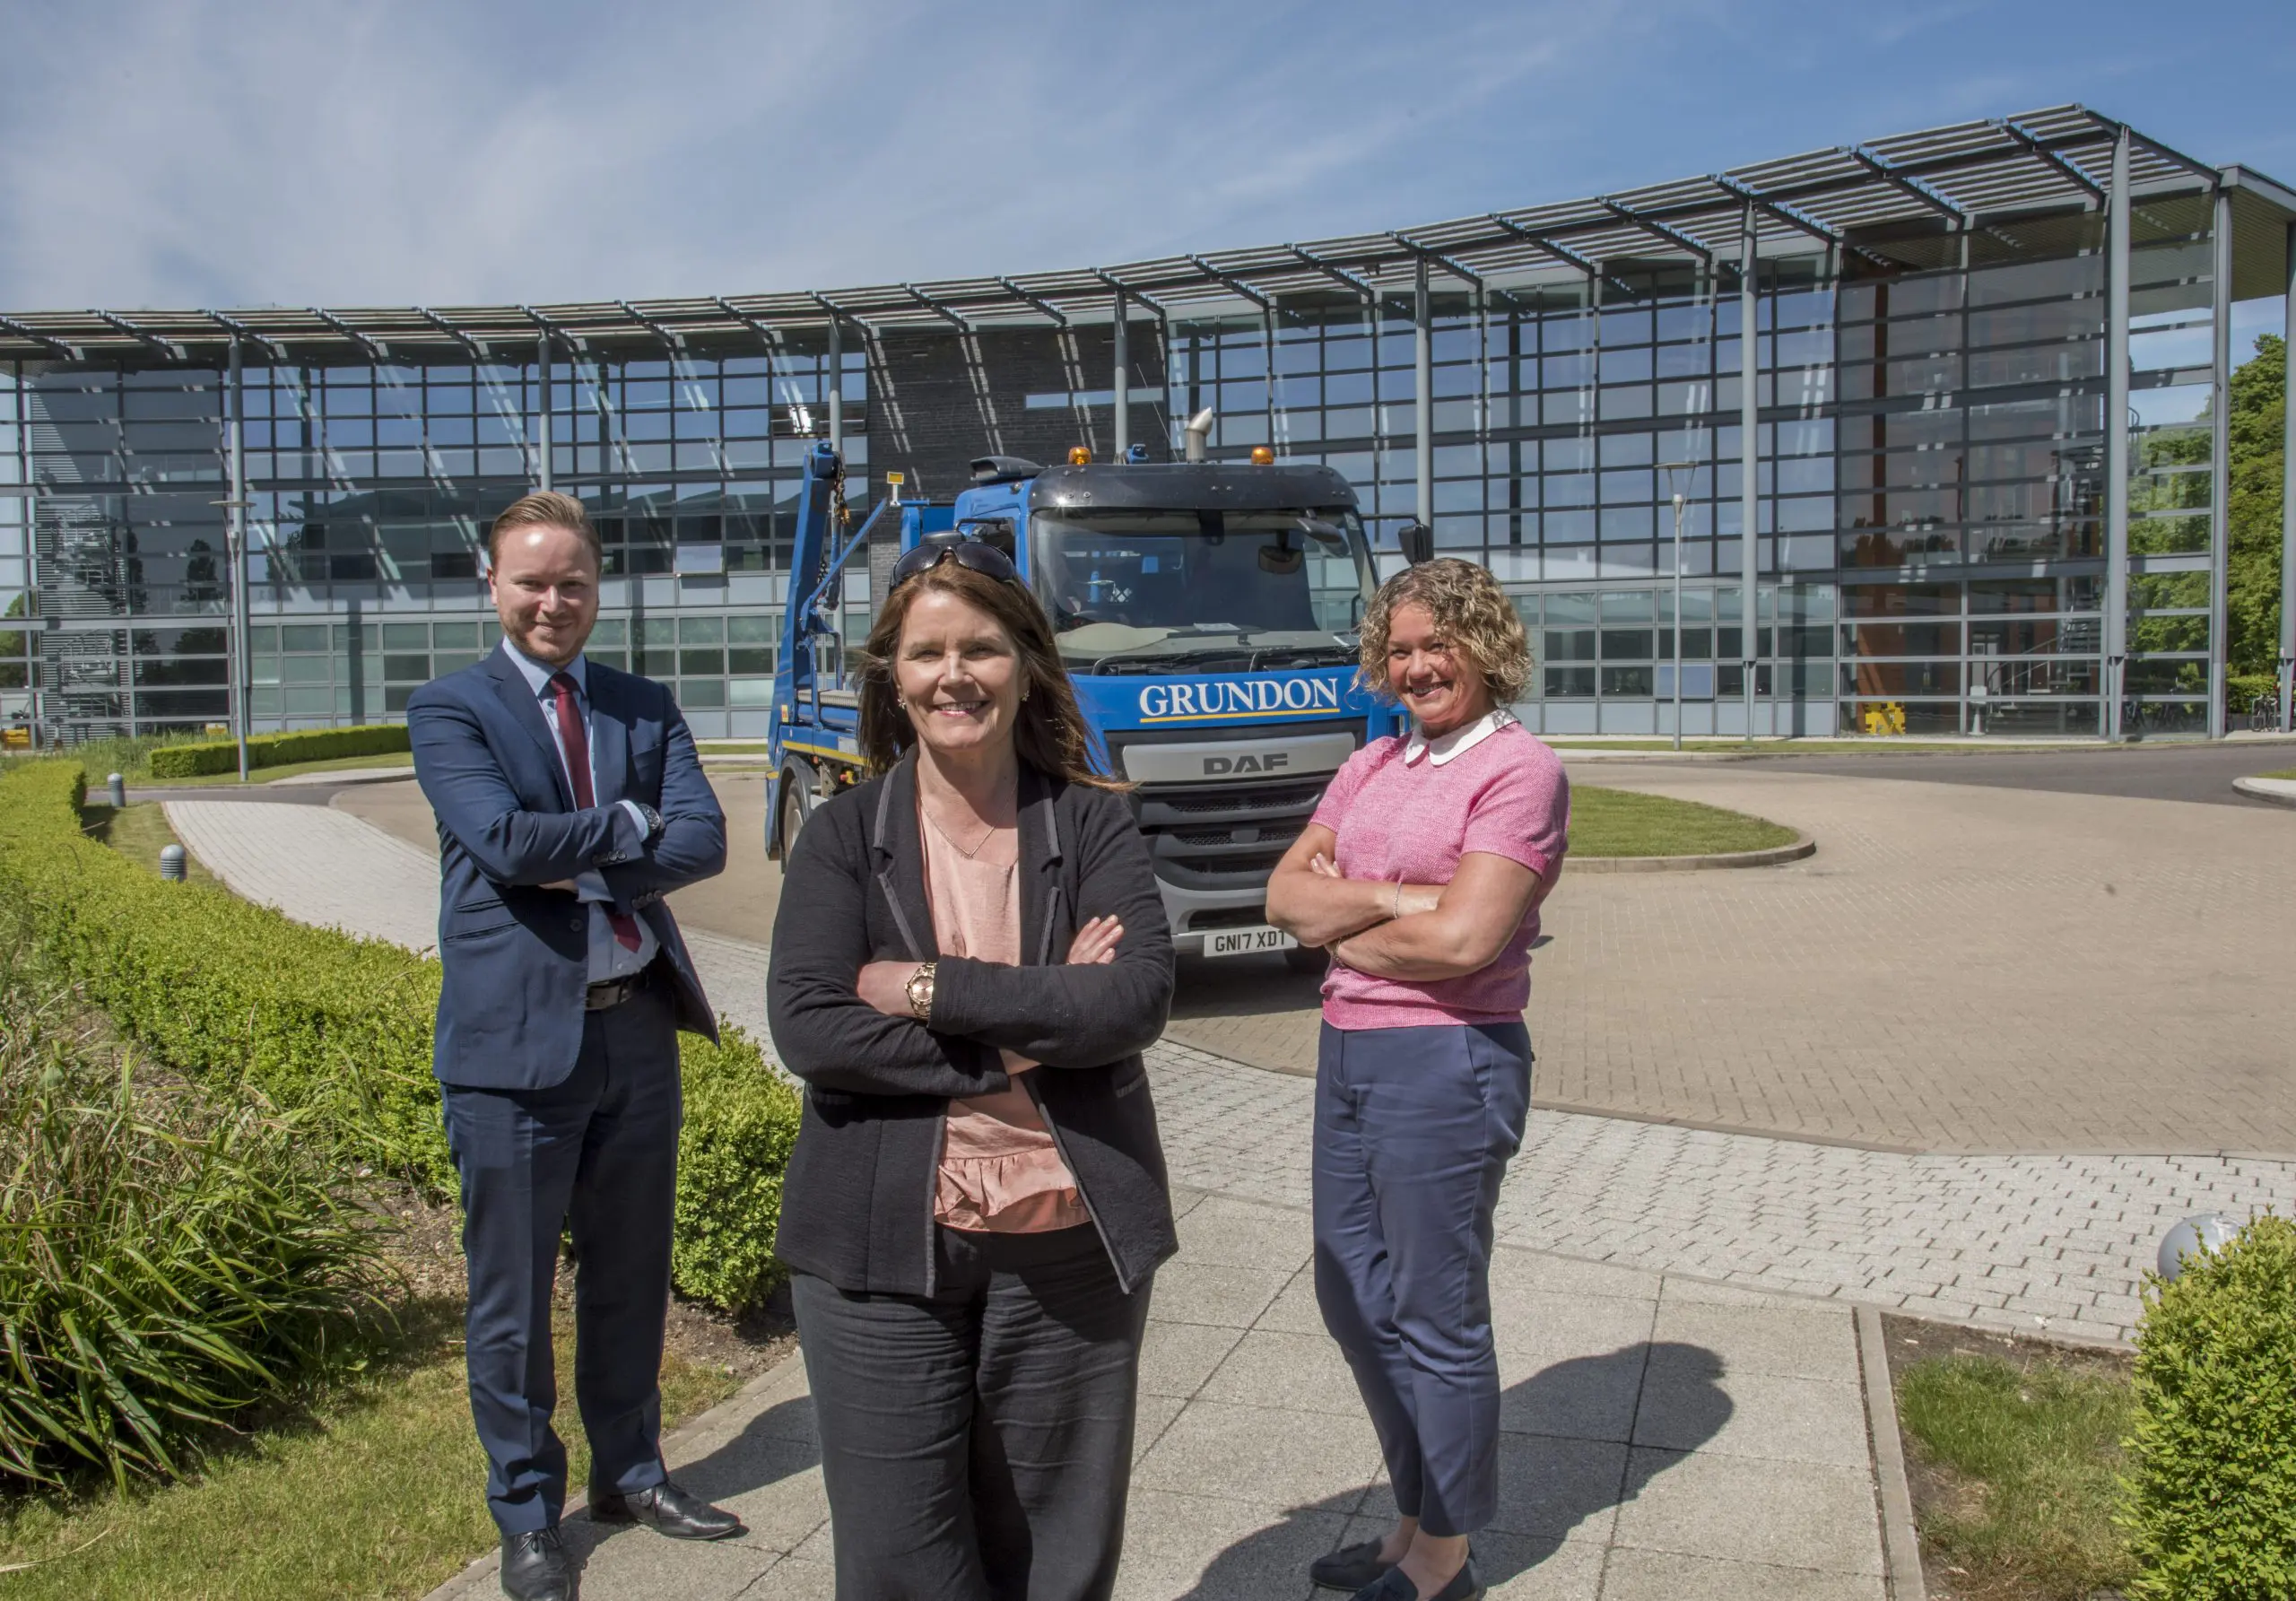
pixel 978 845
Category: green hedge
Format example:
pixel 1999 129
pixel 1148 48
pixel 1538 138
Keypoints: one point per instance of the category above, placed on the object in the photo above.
pixel 2212 1513
pixel 218 988
pixel 199 757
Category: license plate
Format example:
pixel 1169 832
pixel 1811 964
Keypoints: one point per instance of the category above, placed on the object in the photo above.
pixel 1244 942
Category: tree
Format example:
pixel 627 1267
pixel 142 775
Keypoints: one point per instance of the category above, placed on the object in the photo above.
pixel 2258 418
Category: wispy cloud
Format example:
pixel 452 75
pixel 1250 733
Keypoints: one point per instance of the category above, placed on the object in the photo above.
pixel 200 152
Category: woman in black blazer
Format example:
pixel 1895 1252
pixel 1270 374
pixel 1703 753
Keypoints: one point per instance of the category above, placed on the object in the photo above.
pixel 977 1204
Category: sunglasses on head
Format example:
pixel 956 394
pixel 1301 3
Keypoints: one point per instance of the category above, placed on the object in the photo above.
pixel 986 560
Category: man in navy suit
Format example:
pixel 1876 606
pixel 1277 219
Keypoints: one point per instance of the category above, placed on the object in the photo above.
pixel 569 800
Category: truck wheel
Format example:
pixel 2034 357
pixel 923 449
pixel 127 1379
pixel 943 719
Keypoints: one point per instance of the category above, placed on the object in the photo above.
pixel 1307 958
pixel 796 806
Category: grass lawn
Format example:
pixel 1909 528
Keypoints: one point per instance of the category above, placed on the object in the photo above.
pixel 1623 822
pixel 2014 1453
pixel 374 1488
pixel 141 831
pixel 2285 772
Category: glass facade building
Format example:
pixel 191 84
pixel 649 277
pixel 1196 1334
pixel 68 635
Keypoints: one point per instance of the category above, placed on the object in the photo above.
pixel 1979 373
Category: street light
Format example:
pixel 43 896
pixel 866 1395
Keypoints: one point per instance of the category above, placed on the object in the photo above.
pixel 1676 479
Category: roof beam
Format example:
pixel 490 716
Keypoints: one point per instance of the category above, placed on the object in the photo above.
pixel 1429 253
pixel 239 330
pixel 1794 217
pixel 1561 252
pixel 377 350
pixel 675 341
pixel 1334 272
pixel 1122 288
pixel 552 330
pixel 1936 199
pixel 165 347
pixel 1651 225
pixel 470 347
pixel 53 346
pixel 930 304
pixel 2033 146
pixel 1258 297
pixel 1039 301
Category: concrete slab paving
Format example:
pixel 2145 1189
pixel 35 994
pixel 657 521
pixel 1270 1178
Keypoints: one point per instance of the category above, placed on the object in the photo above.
pixel 1255 1456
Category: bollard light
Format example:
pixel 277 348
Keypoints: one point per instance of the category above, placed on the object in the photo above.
pixel 117 786
pixel 172 863
pixel 2203 1235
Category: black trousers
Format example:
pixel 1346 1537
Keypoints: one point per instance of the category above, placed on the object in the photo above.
pixel 598 1151
pixel 977 1443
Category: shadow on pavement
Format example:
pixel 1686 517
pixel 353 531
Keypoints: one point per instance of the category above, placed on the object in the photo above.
pixel 1549 1485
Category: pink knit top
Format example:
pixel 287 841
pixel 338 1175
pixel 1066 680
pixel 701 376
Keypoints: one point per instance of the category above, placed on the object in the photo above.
pixel 1403 815
pixel 1000 1172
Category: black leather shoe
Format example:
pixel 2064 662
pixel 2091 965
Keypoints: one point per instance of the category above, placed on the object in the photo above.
pixel 534 1567
pixel 666 1509
pixel 1392 1586
pixel 1350 1568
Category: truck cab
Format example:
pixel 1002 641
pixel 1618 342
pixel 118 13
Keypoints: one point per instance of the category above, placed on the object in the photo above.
pixel 1206 615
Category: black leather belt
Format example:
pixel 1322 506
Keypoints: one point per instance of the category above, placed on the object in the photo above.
pixel 605 997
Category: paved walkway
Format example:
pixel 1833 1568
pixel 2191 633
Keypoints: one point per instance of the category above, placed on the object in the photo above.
pixel 1664 1439
pixel 2018 1240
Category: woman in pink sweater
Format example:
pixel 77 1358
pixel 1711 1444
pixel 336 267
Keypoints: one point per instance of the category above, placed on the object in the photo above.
pixel 1423 873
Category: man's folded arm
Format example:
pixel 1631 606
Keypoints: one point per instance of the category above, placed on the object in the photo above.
pixel 691 845
pixel 466 787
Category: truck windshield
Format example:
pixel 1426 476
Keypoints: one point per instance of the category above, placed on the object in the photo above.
pixel 1201 591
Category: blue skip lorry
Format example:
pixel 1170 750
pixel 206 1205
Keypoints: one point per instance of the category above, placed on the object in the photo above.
pixel 1205 612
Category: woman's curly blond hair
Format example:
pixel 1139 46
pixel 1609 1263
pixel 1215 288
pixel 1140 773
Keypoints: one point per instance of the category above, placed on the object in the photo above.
pixel 1471 611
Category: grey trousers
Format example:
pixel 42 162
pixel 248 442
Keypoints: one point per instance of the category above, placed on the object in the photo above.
pixel 1414 1130
pixel 977 1443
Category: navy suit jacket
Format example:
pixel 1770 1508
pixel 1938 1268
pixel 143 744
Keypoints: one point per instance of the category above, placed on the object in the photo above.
pixel 517 955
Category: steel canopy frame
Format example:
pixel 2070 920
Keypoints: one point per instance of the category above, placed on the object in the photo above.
pixel 1956 176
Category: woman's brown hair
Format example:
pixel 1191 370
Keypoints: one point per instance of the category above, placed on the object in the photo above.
pixel 1049 732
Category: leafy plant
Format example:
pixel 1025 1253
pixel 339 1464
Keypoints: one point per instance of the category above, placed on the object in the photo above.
pixel 196 758
pixel 239 998
pixel 166 1261
pixel 2212 1513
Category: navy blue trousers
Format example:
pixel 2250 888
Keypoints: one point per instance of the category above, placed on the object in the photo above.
pixel 598 1152
pixel 1414 1130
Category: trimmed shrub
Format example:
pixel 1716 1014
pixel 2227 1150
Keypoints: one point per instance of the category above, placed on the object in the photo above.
pixel 166 1262
pixel 227 992
pixel 2212 1513
pixel 201 757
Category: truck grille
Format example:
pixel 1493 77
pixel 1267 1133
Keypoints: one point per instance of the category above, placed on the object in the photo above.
pixel 1226 836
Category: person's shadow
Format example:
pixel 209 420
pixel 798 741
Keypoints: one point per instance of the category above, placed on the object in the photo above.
pixel 1551 1484
pixel 1564 1459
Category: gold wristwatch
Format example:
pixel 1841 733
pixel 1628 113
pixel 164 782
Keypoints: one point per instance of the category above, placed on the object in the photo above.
pixel 919 989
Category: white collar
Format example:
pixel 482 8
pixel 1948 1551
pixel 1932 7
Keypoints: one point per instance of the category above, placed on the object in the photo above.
pixel 538 675
pixel 1444 746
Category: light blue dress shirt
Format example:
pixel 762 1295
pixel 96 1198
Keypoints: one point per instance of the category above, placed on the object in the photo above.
pixel 608 959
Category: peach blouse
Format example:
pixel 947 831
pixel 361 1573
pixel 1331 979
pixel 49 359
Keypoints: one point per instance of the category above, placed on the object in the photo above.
pixel 1000 1172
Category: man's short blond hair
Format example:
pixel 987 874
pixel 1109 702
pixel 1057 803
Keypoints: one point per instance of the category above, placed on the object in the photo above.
pixel 545 508
pixel 1470 610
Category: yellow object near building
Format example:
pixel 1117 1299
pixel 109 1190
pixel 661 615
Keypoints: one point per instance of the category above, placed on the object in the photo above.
pixel 1887 719
pixel 15 739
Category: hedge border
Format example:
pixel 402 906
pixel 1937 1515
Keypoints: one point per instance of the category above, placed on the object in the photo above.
pixel 229 992
pixel 201 758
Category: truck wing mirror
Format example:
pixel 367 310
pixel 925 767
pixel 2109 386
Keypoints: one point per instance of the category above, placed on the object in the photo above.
pixel 1324 532
pixel 1418 541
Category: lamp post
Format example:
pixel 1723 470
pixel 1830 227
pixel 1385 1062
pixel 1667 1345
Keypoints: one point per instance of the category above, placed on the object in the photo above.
pixel 1674 470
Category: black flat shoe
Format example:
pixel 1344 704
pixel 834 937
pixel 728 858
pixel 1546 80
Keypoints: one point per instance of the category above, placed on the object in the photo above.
pixel 666 1509
pixel 534 1567
pixel 1350 1568
pixel 1392 1586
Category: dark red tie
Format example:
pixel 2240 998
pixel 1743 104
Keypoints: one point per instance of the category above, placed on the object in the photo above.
pixel 576 741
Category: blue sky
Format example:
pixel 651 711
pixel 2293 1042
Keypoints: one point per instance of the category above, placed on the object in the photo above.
pixel 185 152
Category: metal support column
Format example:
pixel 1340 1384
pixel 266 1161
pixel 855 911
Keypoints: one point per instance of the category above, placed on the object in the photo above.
pixel 836 385
pixel 2288 494
pixel 1122 361
pixel 1424 409
pixel 2116 631
pixel 1749 469
pixel 542 409
pixel 236 539
pixel 2220 467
